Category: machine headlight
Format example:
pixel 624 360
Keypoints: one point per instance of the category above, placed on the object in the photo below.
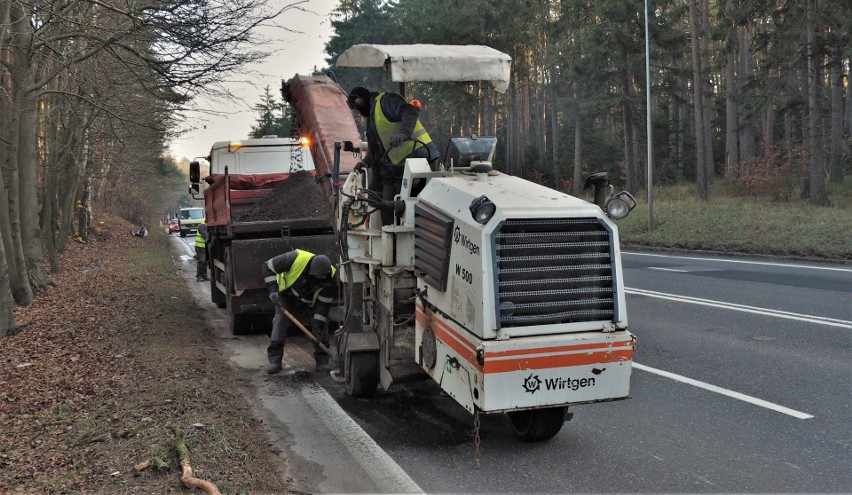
pixel 619 206
pixel 482 209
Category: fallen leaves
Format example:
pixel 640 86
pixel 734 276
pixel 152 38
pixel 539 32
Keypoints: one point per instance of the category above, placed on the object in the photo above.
pixel 108 361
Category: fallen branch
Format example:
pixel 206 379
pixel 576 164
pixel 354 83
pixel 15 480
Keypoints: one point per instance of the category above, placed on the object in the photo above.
pixel 188 479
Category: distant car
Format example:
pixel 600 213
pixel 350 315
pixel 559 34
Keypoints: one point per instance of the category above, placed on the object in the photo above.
pixel 174 226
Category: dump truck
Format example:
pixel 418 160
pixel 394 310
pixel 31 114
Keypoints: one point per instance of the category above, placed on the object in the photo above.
pixel 263 197
pixel 269 195
pixel 506 293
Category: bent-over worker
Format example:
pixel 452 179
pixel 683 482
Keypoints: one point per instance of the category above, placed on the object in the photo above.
pixel 296 278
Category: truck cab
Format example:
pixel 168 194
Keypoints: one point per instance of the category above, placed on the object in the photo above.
pixel 189 219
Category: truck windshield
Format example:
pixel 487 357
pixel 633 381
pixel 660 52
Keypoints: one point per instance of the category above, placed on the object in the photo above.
pixel 192 214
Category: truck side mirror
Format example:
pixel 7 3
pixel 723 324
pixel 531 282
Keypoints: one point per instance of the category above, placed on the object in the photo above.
pixel 195 173
pixel 194 189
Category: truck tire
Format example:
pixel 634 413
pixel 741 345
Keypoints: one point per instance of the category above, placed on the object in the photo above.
pixel 537 425
pixel 216 296
pixel 182 233
pixel 238 324
pixel 362 374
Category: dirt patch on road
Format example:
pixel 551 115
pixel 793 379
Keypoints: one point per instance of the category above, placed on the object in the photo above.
pixel 112 365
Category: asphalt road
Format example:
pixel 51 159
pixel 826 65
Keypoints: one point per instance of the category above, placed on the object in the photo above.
pixel 742 383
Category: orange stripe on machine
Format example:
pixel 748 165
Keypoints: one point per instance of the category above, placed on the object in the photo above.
pixel 561 356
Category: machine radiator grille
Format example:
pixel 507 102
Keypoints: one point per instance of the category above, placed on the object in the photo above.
pixel 553 271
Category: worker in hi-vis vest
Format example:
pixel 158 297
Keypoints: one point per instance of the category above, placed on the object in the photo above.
pixel 394 133
pixel 201 253
pixel 296 278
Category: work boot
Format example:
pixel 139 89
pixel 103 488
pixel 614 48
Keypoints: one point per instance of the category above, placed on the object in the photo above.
pixel 273 368
pixel 199 278
pixel 323 364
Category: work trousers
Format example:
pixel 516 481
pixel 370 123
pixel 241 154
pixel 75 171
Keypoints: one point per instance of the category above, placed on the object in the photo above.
pixel 280 325
pixel 201 262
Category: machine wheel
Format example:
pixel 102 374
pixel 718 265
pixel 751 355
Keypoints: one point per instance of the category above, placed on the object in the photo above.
pixel 538 425
pixel 238 324
pixel 362 374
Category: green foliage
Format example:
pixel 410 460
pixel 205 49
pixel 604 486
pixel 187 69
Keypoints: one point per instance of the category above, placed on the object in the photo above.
pixel 273 117
pixel 731 222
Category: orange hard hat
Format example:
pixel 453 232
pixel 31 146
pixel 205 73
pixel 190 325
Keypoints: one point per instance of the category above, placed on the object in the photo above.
pixel 417 104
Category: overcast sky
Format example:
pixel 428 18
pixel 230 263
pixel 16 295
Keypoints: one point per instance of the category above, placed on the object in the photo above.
pixel 296 52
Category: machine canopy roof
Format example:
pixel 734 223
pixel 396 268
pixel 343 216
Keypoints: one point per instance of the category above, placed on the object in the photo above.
pixel 410 63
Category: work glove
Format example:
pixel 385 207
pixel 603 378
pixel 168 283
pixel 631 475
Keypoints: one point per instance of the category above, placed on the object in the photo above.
pixel 398 139
pixel 273 296
pixel 361 165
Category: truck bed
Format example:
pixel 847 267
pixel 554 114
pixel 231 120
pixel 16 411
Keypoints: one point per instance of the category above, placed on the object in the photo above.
pixel 230 197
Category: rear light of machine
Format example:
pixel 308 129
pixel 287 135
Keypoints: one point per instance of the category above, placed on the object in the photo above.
pixel 304 141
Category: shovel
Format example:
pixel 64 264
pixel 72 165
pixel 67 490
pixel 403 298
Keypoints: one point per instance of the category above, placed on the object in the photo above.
pixel 306 331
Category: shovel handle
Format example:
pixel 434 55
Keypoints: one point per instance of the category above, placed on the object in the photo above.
pixel 305 331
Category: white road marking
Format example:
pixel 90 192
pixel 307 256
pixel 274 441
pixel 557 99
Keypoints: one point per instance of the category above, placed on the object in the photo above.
pixel 667 269
pixel 820 320
pixel 747 262
pixel 724 391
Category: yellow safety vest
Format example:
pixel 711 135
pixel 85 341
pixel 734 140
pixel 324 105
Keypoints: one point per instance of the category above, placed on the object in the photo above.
pixel 200 242
pixel 385 129
pixel 287 279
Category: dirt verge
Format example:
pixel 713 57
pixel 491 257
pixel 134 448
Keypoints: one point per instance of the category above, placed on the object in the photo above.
pixel 112 365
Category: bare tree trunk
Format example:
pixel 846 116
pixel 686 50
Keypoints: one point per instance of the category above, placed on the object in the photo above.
pixel 578 154
pixel 75 167
pixel 769 126
pixel 817 166
pixel 23 156
pixel 53 149
pixel 84 213
pixel 28 193
pixel 13 259
pixel 554 139
pixel 707 93
pixel 835 158
pixel 732 151
pixel 631 170
pixel 701 186
pixel 748 148
pixel 7 316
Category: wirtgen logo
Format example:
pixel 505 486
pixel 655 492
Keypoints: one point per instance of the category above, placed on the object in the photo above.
pixel 533 383
pixel 465 241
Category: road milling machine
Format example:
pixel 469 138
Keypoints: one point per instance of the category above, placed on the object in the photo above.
pixel 506 293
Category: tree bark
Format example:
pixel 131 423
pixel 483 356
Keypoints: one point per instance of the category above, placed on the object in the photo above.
pixel 84 211
pixel 13 259
pixel 631 170
pixel 701 185
pixel 748 148
pixel 732 151
pixel 816 173
pixel 7 315
pixel 707 93
pixel 835 158
pixel 578 155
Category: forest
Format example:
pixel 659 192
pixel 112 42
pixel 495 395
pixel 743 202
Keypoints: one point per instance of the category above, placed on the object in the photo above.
pixel 747 91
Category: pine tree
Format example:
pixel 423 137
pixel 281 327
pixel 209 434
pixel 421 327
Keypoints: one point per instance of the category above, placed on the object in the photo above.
pixel 273 117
